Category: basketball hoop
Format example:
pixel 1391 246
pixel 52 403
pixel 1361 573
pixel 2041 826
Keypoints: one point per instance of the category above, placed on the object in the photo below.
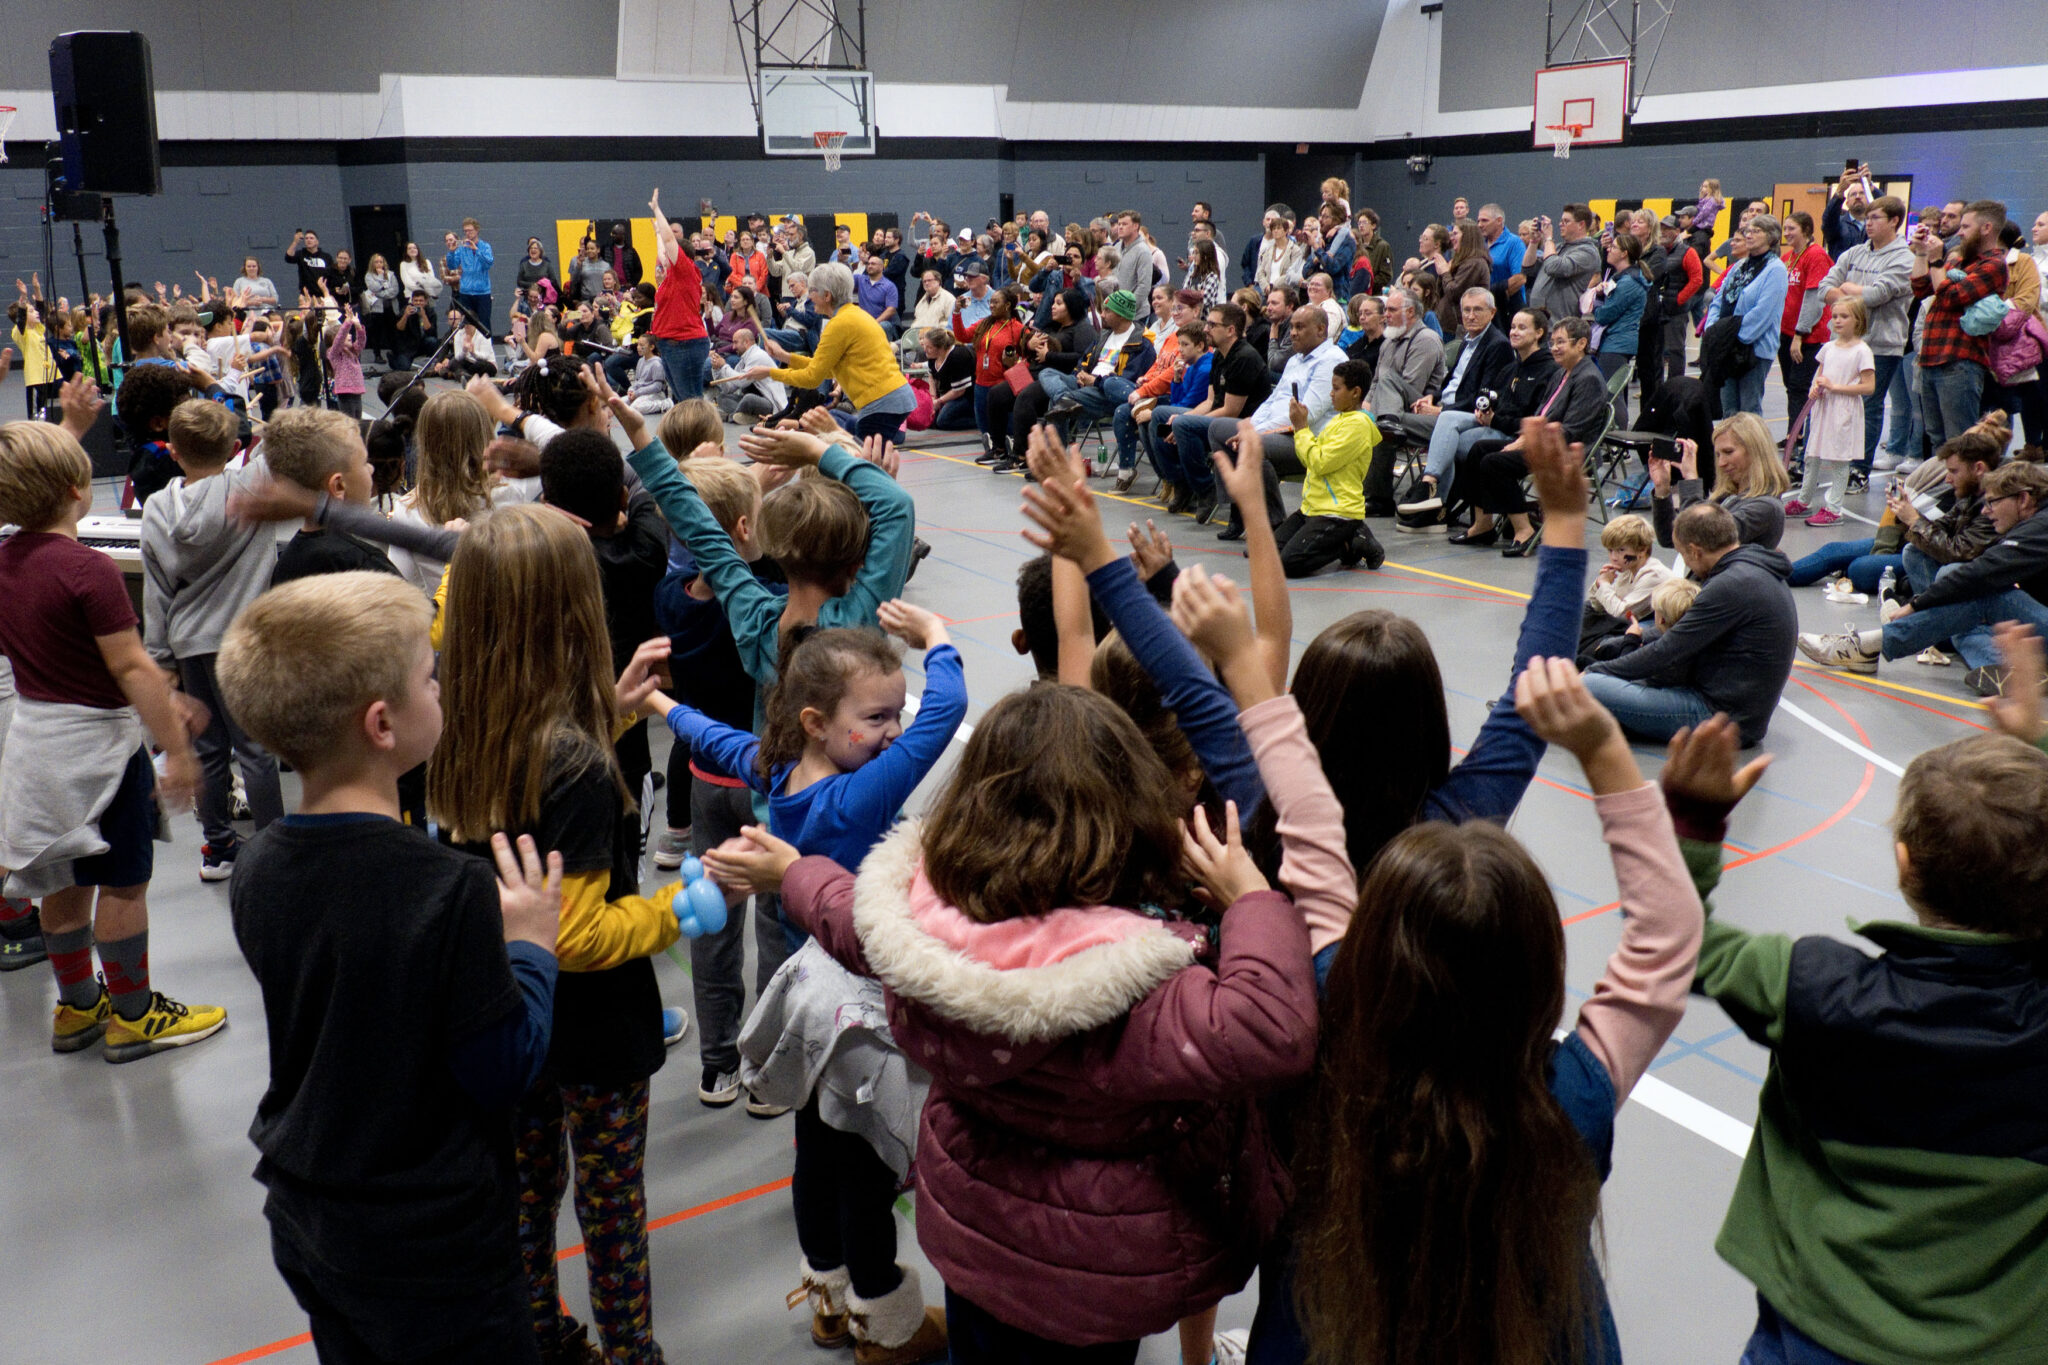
pixel 6 120
pixel 1561 138
pixel 830 144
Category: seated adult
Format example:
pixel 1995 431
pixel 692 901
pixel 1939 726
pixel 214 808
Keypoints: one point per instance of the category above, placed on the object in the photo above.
pixel 1280 303
pixel 1369 315
pixel 1472 387
pixel 1918 544
pixel 1529 384
pixel 1238 383
pixel 416 335
pixel 1620 595
pixel 741 315
pixel 1108 373
pixel 952 380
pixel 1060 351
pixel 2008 581
pixel 1732 652
pixel 1410 366
pixel 933 309
pixel 1748 480
pixel 1578 402
pixel 1270 429
pixel 1147 419
pixel 877 295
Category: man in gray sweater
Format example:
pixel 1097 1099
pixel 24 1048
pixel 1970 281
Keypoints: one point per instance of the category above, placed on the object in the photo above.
pixel 1569 265
pixel 1136 270
pixel 1879 271
pixel 200 567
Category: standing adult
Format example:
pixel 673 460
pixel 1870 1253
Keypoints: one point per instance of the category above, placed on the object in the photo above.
pixel 1752 297
pixel 472 257
pixel 416 274
pixel 678 327
pixel 1504 252
pixel 316 267
pixel 1878 271
pixel 1375 247
pixel 1803 323
pixel 1678 283
pixel 534 268
pixel 624 260
pixel 1571 262
pixel 252 289
pixel 853 353
pixel 1953 363
pixel 1841 222
pixel 380 306
pixel 1136 269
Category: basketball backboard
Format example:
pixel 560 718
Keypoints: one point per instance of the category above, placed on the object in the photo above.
pixel 1591 97
pixel 799 102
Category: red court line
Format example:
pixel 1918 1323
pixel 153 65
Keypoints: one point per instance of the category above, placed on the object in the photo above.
pixel 740 1197
pixel 1840 814
pixel 1891 696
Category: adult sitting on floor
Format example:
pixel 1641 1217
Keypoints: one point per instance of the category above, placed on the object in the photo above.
pixel 2007 582
pixel 1473 387
pixel 1731 652
pixel 1748 480
pixel 1915 543
pixel 1578 403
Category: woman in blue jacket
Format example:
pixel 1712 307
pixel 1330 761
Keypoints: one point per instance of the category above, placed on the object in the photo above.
pixel 1619 313
pixel 1754 291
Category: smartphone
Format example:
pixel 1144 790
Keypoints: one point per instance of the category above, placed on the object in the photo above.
pixel 1297 392
pixel 1851 164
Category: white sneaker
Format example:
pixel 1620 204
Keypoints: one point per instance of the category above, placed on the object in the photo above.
pixel 1884 462
pixel 1844 651
pixel 1232 1348
pixel 1428 504
pixel 1933 657
pixel 671 846
pixel 1907 466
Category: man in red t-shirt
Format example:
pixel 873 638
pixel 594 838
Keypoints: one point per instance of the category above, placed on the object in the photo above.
pixel 1803 328
pixel 77 812
pixel 678 327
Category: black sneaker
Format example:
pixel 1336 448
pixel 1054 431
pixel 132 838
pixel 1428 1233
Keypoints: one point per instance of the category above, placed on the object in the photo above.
pixel 1204 508
pixel 1366 546
pixel 1859 482
pixel 21 943
pixel 1421 523
pixel 718 1088
pixel 919 548
pixel 1009 464
pixel 988 457
pixel 1062 405
pixel 217 864
pixel 1179 500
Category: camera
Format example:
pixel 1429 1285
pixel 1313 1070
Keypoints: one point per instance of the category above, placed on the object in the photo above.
pixel 1419 163
pixel 1484 402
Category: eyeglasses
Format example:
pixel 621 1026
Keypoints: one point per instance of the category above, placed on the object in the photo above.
pixel 2003 497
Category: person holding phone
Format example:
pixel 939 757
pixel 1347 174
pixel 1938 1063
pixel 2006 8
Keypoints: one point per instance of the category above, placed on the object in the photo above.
pixel 1849 198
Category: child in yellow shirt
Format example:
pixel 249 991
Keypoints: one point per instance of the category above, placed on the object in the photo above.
pixel 1331 523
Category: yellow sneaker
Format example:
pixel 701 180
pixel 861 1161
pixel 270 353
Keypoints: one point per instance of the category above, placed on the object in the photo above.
pixel 75 1029
pixel 166 1024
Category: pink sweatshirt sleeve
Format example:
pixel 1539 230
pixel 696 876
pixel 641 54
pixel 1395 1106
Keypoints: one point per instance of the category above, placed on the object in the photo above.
pixel 1315 866
pixel 1641 996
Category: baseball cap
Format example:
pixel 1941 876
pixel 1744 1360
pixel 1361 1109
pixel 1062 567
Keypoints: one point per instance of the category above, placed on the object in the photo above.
pixel 973 268
pixel 1668 221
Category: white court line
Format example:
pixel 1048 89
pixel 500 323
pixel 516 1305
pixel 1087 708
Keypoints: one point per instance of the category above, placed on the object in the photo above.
pixel 1695 1115
pixel 910 705
pixel 1867 755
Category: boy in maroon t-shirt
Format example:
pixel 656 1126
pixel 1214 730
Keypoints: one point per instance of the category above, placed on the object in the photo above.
pixel 76 782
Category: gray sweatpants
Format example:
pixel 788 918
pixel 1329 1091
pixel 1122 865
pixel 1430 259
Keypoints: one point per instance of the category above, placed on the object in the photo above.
pixel 718 961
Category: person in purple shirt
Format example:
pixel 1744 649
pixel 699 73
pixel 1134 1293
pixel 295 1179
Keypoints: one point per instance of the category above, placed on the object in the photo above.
pixel 877 295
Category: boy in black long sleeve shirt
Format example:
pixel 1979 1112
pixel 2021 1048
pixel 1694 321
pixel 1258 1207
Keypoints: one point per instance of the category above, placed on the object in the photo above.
pixel 390 967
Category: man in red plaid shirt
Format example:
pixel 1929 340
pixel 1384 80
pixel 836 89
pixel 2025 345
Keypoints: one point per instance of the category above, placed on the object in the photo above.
pixel 1953 364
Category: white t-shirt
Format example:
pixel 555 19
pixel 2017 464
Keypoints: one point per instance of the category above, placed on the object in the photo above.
pixel 1112 346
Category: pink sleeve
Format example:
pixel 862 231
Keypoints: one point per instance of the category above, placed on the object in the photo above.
pixel 1640 998
pixel 1314 864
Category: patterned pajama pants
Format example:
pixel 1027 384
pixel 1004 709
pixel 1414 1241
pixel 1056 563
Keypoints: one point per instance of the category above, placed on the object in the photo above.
pixel 608 1130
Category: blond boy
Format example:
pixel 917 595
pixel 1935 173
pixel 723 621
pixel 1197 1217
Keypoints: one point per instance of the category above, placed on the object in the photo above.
pixel 322 451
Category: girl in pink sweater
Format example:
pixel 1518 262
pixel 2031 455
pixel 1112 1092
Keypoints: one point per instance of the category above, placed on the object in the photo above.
pixel 345 363
pixel 1092 1163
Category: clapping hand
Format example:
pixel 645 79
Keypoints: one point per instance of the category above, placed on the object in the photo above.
pixel 1062 506
pixel 756 861
pixel 637 681
pixel 2017 708
pixel 82 404
pixel 1151 551
pixel 773 445
pixel 1222 870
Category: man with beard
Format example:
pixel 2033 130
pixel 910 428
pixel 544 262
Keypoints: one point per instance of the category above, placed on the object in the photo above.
pixel 1953 364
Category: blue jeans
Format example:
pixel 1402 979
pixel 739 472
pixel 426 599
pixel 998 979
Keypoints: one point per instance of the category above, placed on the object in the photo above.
pixel 1873 406
pixel 1156 436
pixel 686 363
pixel 1446 438
pixel 956 415
pixel 1903 393
pixel 1968 623
pixel 1951 399
pixel 1778 1342
pixel 1191 437
pixel 1920 567
pixel 1747 393
pixel 1851 557
pixel 981 393
pixel 1647 712
pixel 1103 398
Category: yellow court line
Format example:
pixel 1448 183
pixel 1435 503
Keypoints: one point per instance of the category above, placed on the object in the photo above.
pixel 1870 681
pixel 1453 578
pixel 1113 497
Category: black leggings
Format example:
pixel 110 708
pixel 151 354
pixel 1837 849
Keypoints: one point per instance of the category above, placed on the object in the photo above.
pixel 978 1337
pixel 1002 404
pixel 845 1198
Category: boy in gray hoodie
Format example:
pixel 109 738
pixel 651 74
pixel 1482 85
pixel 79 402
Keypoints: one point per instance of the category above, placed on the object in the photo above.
pixel 200 568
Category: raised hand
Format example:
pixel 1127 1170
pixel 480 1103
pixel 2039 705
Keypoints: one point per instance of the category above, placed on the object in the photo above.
pixel 1553 699
pixel 2017 709
pixel 1221 869
pixel 638 680
pixel 1701 764
pixel 1559 473
pixel 1151 551
pixel 794 449
pixel 756 861
pixel 82 404
pixel 880 453
pixel 1062 507
pixel 529 891
pixel 912 624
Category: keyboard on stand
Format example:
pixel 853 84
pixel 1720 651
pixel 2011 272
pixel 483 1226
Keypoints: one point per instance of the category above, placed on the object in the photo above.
pixel 119 539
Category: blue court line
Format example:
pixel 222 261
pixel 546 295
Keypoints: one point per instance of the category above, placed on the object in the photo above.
pixel 1702 1050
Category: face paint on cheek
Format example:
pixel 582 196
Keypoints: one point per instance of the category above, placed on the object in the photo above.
pixel 853 736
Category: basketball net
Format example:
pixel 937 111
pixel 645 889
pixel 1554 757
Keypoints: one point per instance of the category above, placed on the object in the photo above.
pixel 6 121
pixel 830 144
pixel 1561 138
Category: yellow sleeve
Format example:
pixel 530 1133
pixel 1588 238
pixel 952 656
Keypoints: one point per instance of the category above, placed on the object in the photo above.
pixel 440 613
pixel 818 368
pixel 1339 445
pixel 597 934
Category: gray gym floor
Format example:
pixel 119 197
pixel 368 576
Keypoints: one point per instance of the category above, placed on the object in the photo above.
pixel 137 1228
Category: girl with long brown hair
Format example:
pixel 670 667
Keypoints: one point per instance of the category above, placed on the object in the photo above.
pixel 450 480
pixel 526 748
pixel 1453 1148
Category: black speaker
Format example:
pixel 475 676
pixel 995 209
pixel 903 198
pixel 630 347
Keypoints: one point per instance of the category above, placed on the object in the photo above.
pixel 106 112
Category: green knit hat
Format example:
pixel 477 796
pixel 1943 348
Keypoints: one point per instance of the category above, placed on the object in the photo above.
pixel 1123 303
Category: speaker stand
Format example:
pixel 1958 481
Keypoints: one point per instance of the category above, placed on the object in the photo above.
pixel 112 230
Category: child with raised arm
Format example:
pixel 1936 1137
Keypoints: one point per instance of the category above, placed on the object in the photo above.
pixel 77 789
pixel 409 993
pixel 200 568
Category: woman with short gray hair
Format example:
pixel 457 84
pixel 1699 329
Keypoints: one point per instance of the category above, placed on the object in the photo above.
pixel 853 352
pixel 1752 293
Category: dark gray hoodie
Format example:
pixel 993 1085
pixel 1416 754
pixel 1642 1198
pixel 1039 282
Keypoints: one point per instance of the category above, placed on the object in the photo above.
pixel 1736 644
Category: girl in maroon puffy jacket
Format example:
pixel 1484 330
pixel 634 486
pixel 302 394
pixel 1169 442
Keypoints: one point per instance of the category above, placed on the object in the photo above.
pixel 1092 1165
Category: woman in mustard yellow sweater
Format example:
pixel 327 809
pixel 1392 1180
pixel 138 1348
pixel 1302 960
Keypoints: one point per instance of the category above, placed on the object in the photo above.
pixel 853 352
